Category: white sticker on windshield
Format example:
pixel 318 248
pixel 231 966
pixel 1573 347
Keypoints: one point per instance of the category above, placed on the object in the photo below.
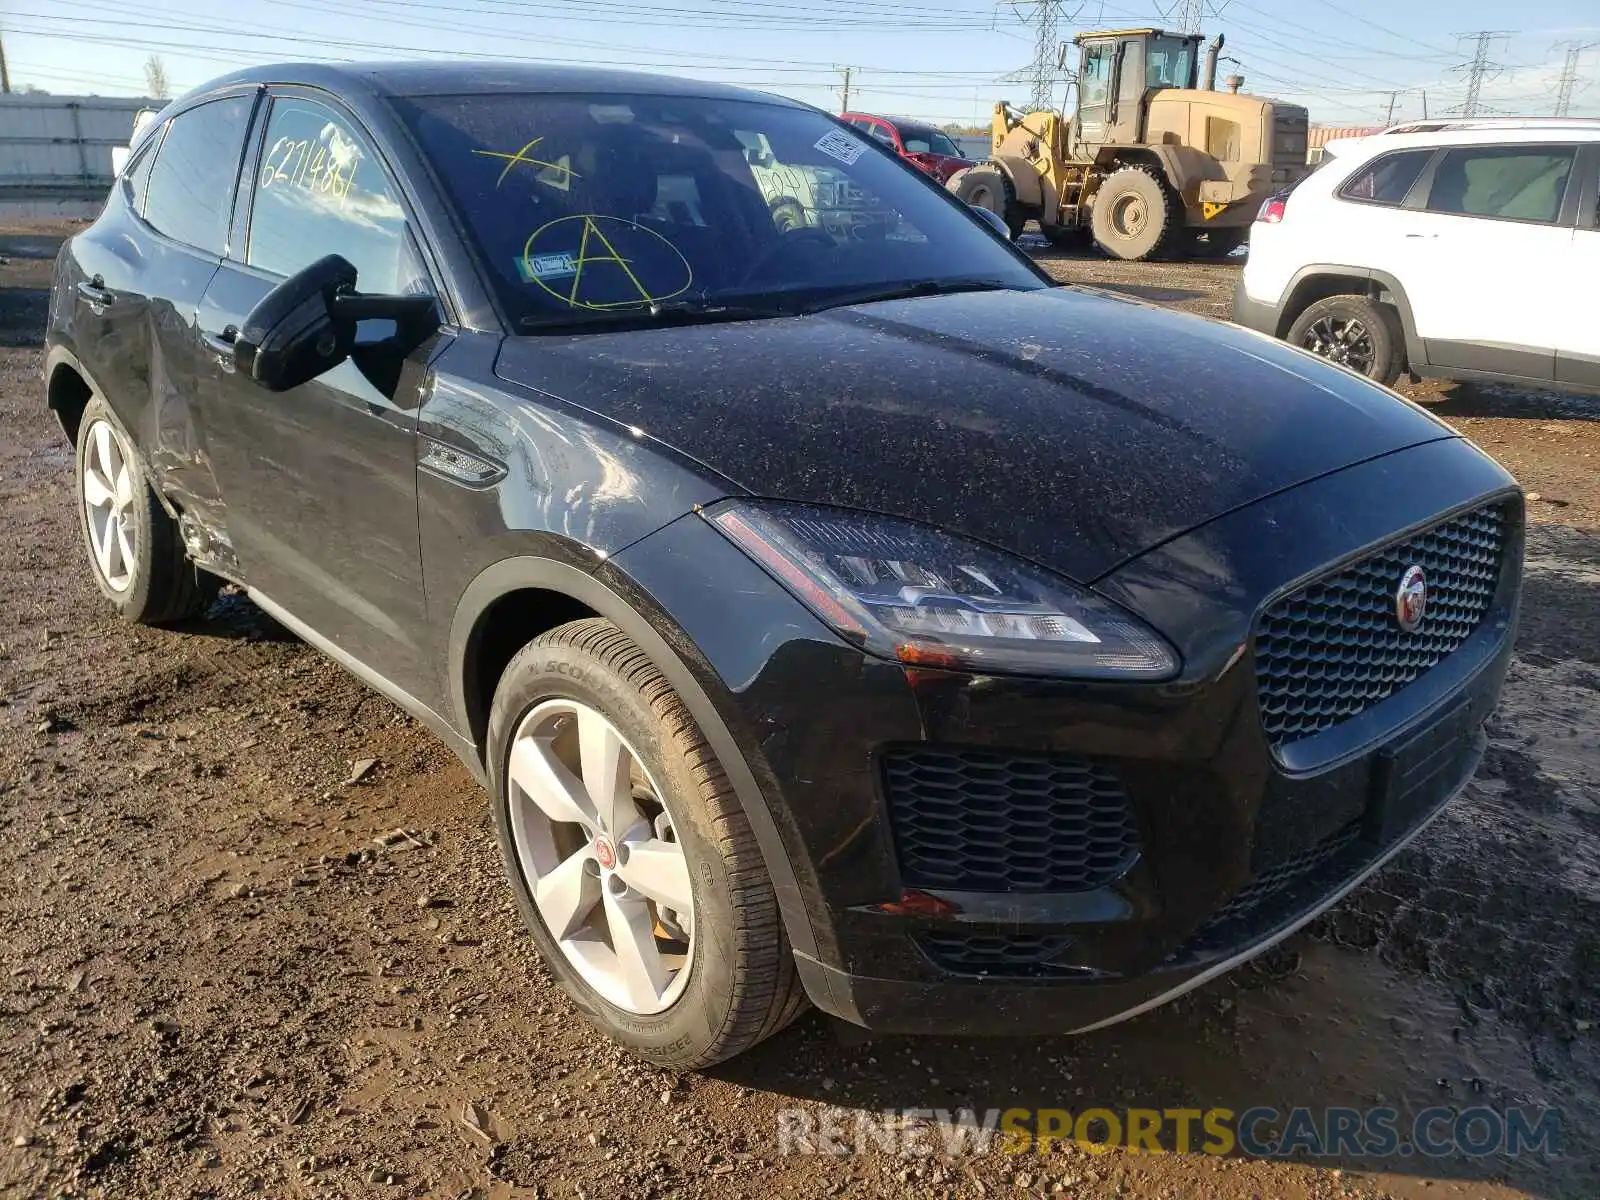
pixel 836 143
pixel 546 266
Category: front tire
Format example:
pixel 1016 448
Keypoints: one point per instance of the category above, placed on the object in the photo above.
pixel 1356 332
pixel 630 856
pixel 987 186
pixel 136 553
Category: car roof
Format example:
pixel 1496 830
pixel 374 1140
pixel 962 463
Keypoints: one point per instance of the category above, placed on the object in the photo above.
pixel 897 122
pixel 453 78
pixel 1519 131
pixel 1454 124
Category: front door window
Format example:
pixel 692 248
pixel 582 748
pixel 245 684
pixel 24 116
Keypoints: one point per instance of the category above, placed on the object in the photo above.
pixel 320 189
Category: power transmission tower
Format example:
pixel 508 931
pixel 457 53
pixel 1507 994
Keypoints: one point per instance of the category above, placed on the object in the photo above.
pixel 844 88
pixel 1045 17
pixel 1191 15
pixel 1569 76
pixel 1480 68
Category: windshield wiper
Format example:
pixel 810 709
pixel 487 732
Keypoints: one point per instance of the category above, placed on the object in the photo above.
pixel 699 311
pixel 906 291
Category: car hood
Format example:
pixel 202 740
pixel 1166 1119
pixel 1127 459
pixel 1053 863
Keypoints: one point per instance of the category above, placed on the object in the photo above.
pixel 1073 427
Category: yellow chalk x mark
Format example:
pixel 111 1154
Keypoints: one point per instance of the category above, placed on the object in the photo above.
pixel 521 156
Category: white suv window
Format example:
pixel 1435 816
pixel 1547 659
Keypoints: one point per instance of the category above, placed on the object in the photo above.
pixel 1387 180
pixel 1516 183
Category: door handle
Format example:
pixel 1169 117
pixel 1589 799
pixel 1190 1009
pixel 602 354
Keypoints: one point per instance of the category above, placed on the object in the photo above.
pixel 1421 235
pixel 221 346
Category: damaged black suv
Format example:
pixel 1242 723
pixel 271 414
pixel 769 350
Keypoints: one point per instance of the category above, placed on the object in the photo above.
pixel 834 609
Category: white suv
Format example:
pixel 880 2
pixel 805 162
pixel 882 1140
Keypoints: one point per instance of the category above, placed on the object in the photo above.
pixel 1471 250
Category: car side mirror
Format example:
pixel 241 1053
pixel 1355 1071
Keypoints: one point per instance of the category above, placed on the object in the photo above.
pixel 992 219
pixel 307 324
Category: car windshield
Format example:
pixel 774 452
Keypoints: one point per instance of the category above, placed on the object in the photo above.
pixel 927 141
pixel 598 207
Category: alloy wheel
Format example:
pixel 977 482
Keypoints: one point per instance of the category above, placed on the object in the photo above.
pixel 1344 340
pixel 108 497
pixel 601 858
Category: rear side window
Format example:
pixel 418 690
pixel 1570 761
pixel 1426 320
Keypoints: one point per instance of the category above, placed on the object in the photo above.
pixel 1517 183
pixel 1388 179
pixel 137 176
pixel 189 193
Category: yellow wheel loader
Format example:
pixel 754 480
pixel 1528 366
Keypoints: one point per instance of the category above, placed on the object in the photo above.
pixel 1155 162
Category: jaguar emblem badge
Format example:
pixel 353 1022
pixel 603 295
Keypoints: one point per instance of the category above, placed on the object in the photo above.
pixel 1411 598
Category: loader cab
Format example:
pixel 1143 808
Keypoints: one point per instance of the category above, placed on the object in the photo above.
pixel 1117 70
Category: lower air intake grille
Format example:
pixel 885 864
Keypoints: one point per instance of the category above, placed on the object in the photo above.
pixel 980 821
pixel 1019 954
pixel 1273 896
pixel 1335 648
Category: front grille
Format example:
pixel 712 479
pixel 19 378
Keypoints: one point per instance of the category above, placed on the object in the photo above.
pixel 1021 954
pixel 1335 648
pixel 1273 896
pixel 982 821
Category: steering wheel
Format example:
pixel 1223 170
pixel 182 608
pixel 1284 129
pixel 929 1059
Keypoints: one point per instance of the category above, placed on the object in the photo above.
pixel 789 240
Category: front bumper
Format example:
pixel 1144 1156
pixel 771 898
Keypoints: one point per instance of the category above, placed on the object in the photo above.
pixel 999 1005
pixel 1237 843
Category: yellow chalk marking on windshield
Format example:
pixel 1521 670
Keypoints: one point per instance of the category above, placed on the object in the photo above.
pixel 583 257
pixel 611 255
pixel 521 156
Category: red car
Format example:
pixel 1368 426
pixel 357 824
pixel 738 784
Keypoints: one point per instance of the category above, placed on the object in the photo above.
pixel 930 150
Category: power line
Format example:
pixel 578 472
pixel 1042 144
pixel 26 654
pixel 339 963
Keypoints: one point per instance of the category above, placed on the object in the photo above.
pixel 1479 68
pixel 1369 23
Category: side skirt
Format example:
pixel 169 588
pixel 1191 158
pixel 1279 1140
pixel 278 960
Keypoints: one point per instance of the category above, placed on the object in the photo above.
pixel 462 748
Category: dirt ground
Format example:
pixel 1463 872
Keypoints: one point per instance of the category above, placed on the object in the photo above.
pixel 226 970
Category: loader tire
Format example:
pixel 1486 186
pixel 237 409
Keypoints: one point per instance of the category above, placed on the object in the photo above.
pixel 1136 216
pixel 988 186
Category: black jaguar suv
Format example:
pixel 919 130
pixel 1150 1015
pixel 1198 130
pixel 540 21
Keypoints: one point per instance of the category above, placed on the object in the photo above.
pixel 834 610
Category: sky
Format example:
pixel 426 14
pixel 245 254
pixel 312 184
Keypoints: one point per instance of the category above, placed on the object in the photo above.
pixel 941 60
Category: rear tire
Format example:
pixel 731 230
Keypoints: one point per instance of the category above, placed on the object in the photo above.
pixel 741 985
pixel 136 553
pixel 988 186
pixel 1356 332
pixel 1135 214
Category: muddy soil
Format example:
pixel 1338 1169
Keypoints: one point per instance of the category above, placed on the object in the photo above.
pixel 227 970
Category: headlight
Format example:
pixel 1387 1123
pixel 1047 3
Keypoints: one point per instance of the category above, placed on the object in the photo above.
pixel 912 593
